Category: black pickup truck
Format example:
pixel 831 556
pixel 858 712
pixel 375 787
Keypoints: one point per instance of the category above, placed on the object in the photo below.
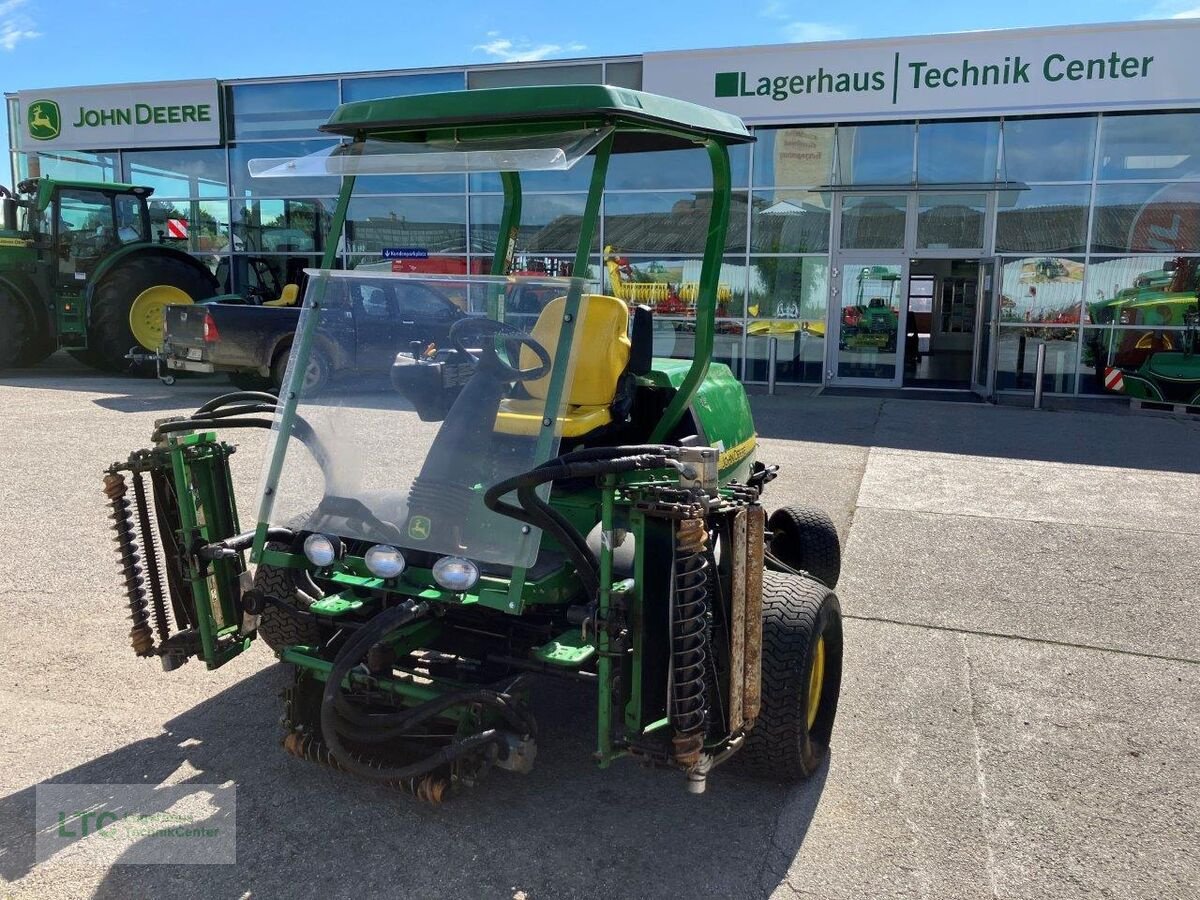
pixel 363 332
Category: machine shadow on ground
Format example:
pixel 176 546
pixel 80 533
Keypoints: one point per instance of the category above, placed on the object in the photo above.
pixel 567 830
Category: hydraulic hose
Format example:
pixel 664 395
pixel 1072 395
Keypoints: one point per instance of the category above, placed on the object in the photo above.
pixel 237 397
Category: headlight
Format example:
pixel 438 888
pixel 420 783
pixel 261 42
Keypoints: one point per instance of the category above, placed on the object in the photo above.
pixel 384 561
pixel 320 550
pixel 455 573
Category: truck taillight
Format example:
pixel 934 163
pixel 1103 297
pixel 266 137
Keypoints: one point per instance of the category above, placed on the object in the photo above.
pixel 210 329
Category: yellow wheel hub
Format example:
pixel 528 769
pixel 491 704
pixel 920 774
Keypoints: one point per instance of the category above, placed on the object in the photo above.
pixel 146 313
pixel 816 680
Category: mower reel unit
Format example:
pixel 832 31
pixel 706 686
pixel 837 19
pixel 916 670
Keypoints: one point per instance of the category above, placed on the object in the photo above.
pixel 581 511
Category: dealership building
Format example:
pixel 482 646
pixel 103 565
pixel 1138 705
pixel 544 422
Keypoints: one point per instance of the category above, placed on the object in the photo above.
pixel 917 213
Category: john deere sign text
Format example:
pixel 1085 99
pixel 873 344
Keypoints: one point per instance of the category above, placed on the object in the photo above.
pixel 1134 66
pixel 172 114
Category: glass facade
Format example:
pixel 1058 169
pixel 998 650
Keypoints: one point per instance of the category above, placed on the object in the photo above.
pixel 1085 213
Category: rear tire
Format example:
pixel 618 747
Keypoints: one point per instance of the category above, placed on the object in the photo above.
pixel 277 628
pixel 109 336
pixel 18 336
pixel 249 381
pixel 316 379
pixel 805 539
pixel 802 631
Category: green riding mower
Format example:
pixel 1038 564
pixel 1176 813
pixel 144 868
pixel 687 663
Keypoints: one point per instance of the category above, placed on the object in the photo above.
pixel 582 510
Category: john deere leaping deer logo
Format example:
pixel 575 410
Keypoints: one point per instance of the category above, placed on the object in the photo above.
pixel 45 121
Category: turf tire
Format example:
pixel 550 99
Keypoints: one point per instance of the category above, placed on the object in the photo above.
pixel 277 628
pixel 805 539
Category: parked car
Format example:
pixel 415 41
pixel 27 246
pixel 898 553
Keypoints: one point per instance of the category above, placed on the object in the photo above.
pixel 364 329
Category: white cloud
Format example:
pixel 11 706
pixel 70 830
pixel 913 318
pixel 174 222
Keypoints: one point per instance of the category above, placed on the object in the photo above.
pixel 523 50
pixel 796 31
pixel 15 26
pixel 1172 9
pixel 1193 13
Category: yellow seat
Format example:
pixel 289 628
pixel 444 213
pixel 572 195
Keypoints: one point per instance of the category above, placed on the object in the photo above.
pixel 287 297
pixel 602 354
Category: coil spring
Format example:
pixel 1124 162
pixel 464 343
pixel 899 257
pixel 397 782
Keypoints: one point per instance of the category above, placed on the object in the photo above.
pixel 150 551
pixel 689 712
pixel 428 788
pixel 130 561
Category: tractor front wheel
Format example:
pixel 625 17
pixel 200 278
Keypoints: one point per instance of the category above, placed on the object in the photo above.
pixel 805 539
pixel 134 294
pixel 801 677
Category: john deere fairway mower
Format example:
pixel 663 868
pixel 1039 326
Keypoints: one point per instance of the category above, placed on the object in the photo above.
pixel 79 269
pixel 582 511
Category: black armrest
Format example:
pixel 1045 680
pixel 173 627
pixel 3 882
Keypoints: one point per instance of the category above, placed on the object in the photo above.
pixel 642 339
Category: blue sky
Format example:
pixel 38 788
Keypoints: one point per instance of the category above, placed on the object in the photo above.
pixel 54 43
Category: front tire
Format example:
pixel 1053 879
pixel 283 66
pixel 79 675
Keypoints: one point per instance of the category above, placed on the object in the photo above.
pixel 805 539
pixel 277 627
pixel 801 677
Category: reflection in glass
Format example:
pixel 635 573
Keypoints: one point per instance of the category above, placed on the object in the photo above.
pixel 280 226
pixel 245 186
pixel 624 74
pixel 793 157
pixel 1151 146
pixel 432 224
pixel 799 353
pixel 668 169
pixel 1016 359
pixel 179 173
pixel 283 109
pixel 869 321
pixel 873 222
pixel 676 339
pixel 549 223
pixel 1051 149
pixel 1043 219
pixel 950 220
pixel 670 286
pixel 1148 353
pixel 962 152
pixel 585 73
pixel 789 221
pixel 791 288
pixel 262 276
pixel 400 85
pixel 875 154
pixel 1041 289
pixel 206 223
pixel 1140 290
pixel 69 165
pixel 1160 218
pixel 667 222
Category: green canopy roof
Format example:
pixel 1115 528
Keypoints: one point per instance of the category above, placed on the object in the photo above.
pixel 643 121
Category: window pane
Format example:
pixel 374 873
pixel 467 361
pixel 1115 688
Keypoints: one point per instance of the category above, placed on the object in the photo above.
pixel 74 165
pixel 1043 219
pixel 946 221
pixel 577 178
pixel 957 151
pixel 1041 289
pixel 434 265
pixel 624 74
pixel 1159 218
pixel 1016 359
pixel 286 109
pixel 791 288
pixel 873 223
pixel 400 85
pixel 673 169
pixel 264 276
pixel 433 224
pixel 1140 290
pixel 281 226
pixel 1128 349
pixel 875 154
pixel 588 73
pixel 784 221
pixel 793 157
pixel 668 222
pixel 1157 145
pixel 243 185
pixel 549 223
pixel 1049 149
pixel 206 223
pixel 799 353
pixel 179 173
pixel 669 286
pixel 676 339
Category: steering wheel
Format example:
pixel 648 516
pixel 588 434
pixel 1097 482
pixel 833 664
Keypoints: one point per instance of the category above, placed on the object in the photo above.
pixel 489 360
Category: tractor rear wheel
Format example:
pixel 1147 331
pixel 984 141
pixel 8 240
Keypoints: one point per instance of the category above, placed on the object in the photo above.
pixel 801 677
pixel 110 332
pixel 18 333
pixel 804 538
pixel 277 627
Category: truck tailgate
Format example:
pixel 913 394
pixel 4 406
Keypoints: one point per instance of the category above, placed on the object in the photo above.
pixel 183 326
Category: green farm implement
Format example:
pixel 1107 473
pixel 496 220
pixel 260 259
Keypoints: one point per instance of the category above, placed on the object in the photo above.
pixel 580 510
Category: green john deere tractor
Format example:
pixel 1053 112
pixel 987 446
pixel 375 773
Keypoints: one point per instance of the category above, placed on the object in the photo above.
pixel 582 510
pixel 80 269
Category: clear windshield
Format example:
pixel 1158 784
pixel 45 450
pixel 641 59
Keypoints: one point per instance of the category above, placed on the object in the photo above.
pixel 369 456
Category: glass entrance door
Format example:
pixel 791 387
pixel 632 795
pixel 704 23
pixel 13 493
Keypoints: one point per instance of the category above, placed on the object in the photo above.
pixel 868 320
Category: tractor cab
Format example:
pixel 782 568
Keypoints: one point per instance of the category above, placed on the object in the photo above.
pixel 537 496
